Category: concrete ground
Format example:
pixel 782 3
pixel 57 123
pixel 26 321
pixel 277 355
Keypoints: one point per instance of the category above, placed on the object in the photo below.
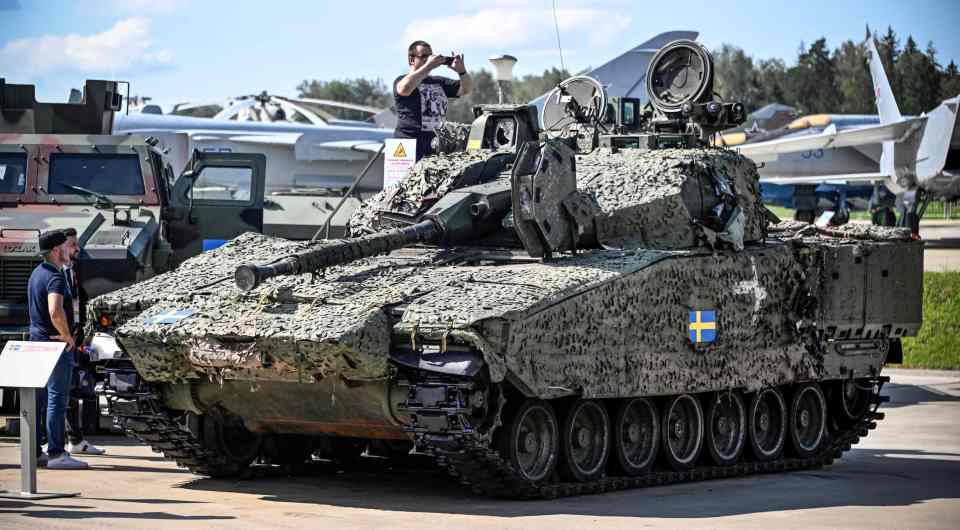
pixel 942 251
pixel 904 475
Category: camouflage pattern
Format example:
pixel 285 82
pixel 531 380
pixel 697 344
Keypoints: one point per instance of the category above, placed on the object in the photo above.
pixel 601 323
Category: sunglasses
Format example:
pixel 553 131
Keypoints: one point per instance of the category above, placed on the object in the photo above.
pixel 420 56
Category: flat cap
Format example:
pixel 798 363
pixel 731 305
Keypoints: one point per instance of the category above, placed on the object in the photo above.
pixel 51 239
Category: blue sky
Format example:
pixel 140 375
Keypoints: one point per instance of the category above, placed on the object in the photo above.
pixel 177 50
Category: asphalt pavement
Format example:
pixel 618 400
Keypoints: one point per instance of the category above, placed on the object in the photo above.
pixel 905 474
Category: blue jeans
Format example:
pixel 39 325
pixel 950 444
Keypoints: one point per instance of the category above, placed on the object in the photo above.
pixel 56 397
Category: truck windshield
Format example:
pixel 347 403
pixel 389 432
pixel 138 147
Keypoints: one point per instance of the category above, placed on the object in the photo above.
pixel 13 172
pixel 108 174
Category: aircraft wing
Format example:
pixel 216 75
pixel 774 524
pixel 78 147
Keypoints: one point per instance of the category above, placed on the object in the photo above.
pixel 306 147
pixel 859 178
pixel 831 137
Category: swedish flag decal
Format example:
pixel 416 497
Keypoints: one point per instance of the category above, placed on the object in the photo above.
pixel 703 326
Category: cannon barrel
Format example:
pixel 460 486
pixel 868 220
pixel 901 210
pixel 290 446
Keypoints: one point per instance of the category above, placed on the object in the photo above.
pixel 249 276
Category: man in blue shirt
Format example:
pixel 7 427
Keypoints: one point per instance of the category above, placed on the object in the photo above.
pixel 51 315
pixel 421 98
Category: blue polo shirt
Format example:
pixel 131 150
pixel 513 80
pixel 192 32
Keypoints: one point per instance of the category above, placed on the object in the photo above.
pixel 46 279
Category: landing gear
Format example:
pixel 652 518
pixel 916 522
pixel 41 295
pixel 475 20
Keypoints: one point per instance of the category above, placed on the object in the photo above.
pixel 585 439
pixel 804 216
pixel 531 443
pixel 682 430
pixel 884 217
pixel 767 424
pixel 808 420
pixel 726 428
pixel 636 436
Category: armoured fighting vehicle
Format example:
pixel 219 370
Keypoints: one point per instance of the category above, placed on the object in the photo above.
pixel 602 305
pixel 60 167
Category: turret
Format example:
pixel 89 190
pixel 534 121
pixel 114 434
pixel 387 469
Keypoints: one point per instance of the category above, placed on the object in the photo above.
pixel 522 182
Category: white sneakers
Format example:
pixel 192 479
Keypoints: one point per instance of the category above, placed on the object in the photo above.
pixel 65 461
pixel 84 448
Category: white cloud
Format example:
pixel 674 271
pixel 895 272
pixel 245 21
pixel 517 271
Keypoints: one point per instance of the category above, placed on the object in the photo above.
pixel 123 48
pixel 151 6
pixel 512 28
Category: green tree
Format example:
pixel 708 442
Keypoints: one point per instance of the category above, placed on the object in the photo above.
pixel 735 77
pixel 950 81
pixel 811 83
pixel 772 76
pixel 889 49
pixel 853 79
pixel 360 91
pixel 918 80
pixel 532 86
pixel 484 91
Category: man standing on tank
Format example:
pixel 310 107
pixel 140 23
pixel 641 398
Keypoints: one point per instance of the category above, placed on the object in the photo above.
pixel 421 98
pixel 51 314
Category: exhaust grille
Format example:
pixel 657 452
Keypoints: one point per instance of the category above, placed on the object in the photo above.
pixel 14 275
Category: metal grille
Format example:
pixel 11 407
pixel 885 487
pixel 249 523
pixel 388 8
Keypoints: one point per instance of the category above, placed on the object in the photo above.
pixel 14 274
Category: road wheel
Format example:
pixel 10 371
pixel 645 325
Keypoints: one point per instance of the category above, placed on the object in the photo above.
pixel 767 424
pixel 530 442
pixel 636 436
pixel 682 431
pixel 853 398
pixel 726 428
pixel 233 446
pixel 808 420
pixel 585 441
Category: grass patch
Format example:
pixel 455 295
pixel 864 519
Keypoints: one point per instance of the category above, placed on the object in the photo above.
pixel 938 343
pixel 935 211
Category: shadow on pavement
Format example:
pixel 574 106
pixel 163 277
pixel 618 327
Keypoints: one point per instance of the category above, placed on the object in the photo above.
pixel 904 395
pixel 866 477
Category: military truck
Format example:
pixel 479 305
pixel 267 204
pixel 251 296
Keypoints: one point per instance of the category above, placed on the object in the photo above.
pixel 60 167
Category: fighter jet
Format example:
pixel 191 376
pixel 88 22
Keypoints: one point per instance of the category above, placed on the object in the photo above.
pixel 916 158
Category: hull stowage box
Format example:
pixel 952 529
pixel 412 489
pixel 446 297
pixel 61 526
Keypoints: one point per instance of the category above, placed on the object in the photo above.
pixel 869 290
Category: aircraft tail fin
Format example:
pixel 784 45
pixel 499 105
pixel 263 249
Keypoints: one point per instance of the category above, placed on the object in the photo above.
pixel 887 109
pixel 886 104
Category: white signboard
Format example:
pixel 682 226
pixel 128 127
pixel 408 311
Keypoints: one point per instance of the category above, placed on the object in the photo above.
pixel 28 364
pixel 399 155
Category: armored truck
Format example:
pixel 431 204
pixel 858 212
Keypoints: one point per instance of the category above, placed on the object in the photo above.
pixel 60 167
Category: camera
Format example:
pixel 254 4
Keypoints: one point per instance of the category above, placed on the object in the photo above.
pixel 447 60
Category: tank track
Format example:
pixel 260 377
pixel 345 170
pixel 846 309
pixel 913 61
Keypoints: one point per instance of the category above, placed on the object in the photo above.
pixel 485 472
pixel 142 416
pixel 473 463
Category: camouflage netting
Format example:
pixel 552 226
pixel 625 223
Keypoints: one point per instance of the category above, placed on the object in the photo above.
pixel 428 180
pixel 658 199
pixel 848 232
pixel 650 198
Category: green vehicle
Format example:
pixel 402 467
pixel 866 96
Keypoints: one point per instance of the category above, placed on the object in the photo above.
pixel 60 167
pixel 599 306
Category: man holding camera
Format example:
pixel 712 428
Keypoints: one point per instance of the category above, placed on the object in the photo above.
pixel 421 98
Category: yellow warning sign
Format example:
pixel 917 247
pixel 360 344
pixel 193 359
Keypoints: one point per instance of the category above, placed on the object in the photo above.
pixel 399 152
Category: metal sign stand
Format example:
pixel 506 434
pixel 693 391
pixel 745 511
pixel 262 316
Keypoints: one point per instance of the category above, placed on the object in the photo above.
pixel 27 366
